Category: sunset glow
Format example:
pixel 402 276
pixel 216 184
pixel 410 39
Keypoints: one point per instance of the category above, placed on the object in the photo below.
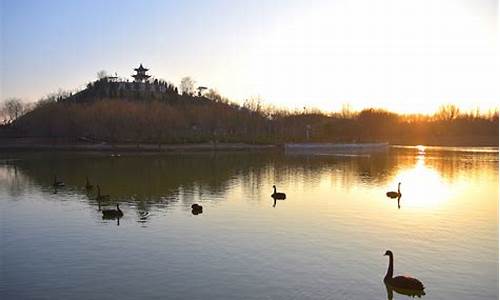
pixel 406 56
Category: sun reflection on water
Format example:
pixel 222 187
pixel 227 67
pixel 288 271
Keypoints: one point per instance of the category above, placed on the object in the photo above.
pixel 421 185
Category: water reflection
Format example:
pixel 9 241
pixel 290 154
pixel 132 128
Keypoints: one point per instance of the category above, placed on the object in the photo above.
pixel 411 293
pixel 143 216
pixel 146 182
pixel 424 185
pixel 335 222
pixel 117 218
pixel 275 200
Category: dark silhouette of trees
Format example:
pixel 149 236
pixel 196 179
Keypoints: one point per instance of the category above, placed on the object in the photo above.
pixel 119 111
pixel 102 74
pixel 12 109
pixel 448 112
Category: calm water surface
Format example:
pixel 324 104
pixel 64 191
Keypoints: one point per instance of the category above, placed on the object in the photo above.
pixel 325 241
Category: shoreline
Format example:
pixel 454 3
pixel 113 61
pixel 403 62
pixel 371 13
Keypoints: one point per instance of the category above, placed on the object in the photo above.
pixel 35 144
pixel 7 145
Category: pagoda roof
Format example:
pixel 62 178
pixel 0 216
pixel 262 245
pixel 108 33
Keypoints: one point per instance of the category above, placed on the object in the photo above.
pixel 141 69
pixel 141 76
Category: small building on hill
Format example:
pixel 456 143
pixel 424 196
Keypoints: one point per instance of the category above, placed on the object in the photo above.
pixel 113 87
pixel 140 75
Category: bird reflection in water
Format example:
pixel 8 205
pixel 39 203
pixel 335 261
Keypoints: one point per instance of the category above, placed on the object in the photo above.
pixel 275 201
pixel 407 292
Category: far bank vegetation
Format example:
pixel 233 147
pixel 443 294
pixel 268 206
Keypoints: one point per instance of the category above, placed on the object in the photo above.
pixel 206 116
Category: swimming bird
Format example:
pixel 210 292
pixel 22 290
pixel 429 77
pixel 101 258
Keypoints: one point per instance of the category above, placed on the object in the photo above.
pixel 196 209
pixel 57 183
pixel 402 284
pixel 88 186
pixel 112 213
pixel 393 194
pixel 99 196
pixel 276 195
pixel 196 206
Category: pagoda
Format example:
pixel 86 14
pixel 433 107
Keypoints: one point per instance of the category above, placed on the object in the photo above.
pixel 140 75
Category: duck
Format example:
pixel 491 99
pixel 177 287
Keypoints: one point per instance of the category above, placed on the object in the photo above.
pixel 57 183
pixel 276 195
pixel 112 213
pixel 99 196
pixel 196 209
pixel 393 194
pixel 402 284
pixel 88 186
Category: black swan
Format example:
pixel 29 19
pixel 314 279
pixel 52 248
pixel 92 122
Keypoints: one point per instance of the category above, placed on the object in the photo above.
pixel 276 195
pixel 196 209
pixel 402 284
pixel 57 183
pixel 112 213
pixel 393 194
pixel 99 196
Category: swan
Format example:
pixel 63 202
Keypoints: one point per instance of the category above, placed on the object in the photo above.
pixel 112 213
pixel 88 186
pixel 276 195
pixel 393 194
pixel 196 206
pixel 196 209
pixel 402 284
pixel 99 196
pixel 57 183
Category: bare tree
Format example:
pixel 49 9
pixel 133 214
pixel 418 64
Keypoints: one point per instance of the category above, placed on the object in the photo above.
pixel 102 74
pixel 187 86
pixel 12 108
pixel 346 111
pixel 448 112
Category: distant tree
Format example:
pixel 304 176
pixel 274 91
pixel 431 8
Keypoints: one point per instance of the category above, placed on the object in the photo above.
pixel 448 112
pixel 253 104
pixel 102 74
pixel 12 108
pixel 187 86
pixel 346 111
pixel 214 95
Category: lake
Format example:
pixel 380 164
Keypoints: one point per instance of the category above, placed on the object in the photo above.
pixel 325 241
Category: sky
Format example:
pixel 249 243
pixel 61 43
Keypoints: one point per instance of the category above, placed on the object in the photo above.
pixel 402 55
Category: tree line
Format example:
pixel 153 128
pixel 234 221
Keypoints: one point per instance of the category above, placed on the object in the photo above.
pixel 191 117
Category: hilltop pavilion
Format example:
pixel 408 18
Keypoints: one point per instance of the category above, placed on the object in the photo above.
pixel 140 75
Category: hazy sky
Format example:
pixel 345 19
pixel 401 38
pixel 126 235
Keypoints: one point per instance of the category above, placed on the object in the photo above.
pixel 404 55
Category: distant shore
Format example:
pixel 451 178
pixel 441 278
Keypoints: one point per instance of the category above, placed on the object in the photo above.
pixel 45 144
pixel 27 144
